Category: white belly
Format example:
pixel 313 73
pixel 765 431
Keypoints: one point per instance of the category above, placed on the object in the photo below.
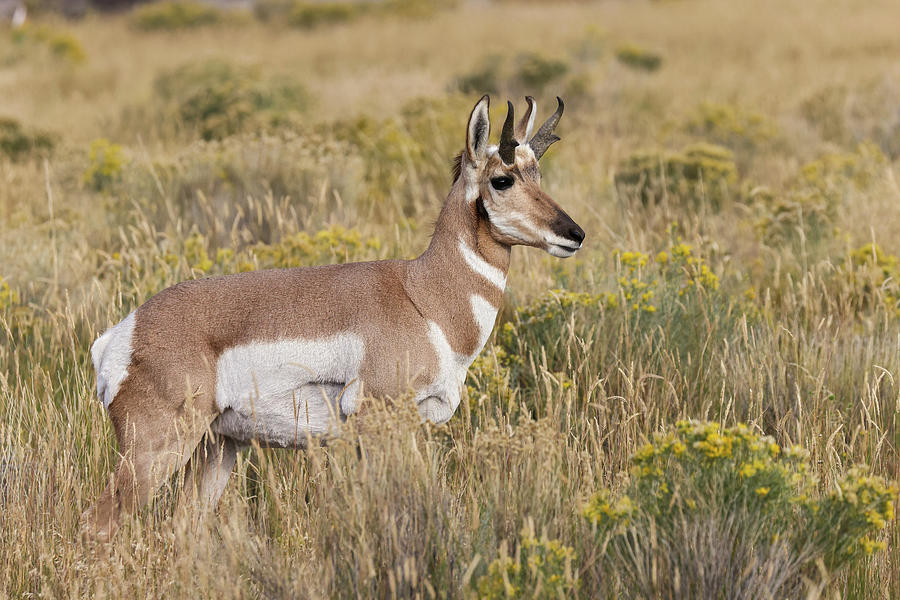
pixel 281 392
pixel 286 421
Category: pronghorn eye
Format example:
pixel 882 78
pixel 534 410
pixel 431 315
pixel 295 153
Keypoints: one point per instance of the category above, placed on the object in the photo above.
pixel 502 183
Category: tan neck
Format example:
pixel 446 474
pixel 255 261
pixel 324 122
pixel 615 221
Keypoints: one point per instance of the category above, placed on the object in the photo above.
pixel 442 281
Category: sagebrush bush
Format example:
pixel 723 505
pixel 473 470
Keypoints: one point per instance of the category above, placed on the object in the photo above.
pixel 216 98
pixel 811 204
pixel 851 115
pixel 712 511
pixel 638 57
pixel 729 125
pixel 534 72
pixel 309 15
pixel 484 78
pixel 60 44
pixel 17 142
pixel 174 15
pixel 540 568
pixel 699 173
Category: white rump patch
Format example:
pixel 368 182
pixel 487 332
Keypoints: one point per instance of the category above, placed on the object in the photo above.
pixel 438 401
pixel 111 355
pixel 482 267
pixel 280 391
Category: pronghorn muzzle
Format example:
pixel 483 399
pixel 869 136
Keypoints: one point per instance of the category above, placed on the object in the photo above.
pixel 567 236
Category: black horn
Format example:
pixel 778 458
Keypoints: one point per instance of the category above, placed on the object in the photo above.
pixel 545 136
pixel 508 143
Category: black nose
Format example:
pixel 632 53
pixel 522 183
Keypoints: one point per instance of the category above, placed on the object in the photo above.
pixel 576 233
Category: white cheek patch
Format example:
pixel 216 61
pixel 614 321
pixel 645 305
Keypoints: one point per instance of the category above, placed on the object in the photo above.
pixel 111 355
pixel 482 267
pixel 438 401
pixel 284 385
pixel 514 225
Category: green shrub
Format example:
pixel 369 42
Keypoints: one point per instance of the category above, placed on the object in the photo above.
pixel 106 164
pixel 173 15
pixel 731 126
pixel 825 110
pixel 18 143
pixel 810 205
pixel 488 379
pixel 865 112
pixel 636 57
pixel 483 79
pixel 715 512
pixel 869 280
pixel 541 569
pixel 699 172
pixel 309 15
pixel 417 8
pixel 535 72
pixel 217 99
pixel 61 45
pixel 669 299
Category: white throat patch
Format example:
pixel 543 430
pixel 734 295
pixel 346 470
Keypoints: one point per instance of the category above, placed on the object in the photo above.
pixel 482 267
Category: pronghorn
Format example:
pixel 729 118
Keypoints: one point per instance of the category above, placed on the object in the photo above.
pixel 280 356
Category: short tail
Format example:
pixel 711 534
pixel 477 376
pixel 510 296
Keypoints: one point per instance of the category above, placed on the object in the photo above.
pixel 111 355
pixel 97 350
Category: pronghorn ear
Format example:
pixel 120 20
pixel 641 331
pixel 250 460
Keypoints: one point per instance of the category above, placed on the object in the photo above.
pixel 479 129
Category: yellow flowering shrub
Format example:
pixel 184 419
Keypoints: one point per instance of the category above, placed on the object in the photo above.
pixel 732 126
pixel 670 290
pixel 540 568
pixel 106 164
pixel 489 377
pixel 874 277
pixel 758 492
pixel 334 244
pixel 8 296
pixel 673 272
pixel 60 44
pixel 174 261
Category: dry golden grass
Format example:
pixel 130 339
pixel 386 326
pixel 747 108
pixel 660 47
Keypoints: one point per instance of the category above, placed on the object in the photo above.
pixel 799 341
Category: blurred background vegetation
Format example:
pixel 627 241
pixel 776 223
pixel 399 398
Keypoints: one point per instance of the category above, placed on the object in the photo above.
pixel 733 164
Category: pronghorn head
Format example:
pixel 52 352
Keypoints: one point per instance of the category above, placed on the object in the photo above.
pixel 505 181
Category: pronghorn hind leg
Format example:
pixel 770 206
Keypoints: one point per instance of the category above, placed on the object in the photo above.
pixel 154 442
pixel 208 471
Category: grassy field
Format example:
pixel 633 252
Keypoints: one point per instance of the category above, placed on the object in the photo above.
pixel 734 167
